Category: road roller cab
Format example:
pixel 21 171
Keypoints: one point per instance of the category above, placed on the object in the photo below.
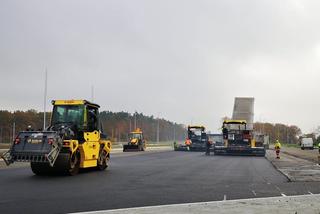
pixel 74 140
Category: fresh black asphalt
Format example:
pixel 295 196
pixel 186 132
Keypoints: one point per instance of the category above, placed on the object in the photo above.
pixel 146 179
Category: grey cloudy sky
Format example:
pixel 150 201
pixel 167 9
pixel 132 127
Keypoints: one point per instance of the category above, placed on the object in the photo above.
pixel 182 60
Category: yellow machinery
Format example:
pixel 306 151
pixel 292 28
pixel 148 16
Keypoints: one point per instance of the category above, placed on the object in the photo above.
pixel 136 141
pixel 73 140
pixel 196 140
pixel 238 139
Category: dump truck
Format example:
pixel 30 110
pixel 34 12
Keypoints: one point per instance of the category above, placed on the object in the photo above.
pixel 136 141
pixel 239 140
pixel 74 140
pixel 198 137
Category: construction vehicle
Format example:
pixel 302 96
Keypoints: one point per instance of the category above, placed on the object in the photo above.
pixel 216 139
pixel 238 139
pixel 198 138
pixel 74 140
pixel 262 140
pixel 136 141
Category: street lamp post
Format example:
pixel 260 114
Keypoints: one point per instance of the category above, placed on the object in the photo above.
pixel 174 132
pixel 13 131
pixel 45 100
pixel 135 120
pixel 158 128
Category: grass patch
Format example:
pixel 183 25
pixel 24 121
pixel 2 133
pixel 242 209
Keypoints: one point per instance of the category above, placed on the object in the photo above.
pixel 292 145
pixel 287 145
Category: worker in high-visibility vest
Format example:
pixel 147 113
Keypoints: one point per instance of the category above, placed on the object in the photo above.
pixel 277 147
pixel 188 143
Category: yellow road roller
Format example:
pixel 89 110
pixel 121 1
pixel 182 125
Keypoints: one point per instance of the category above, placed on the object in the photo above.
pixel 74 140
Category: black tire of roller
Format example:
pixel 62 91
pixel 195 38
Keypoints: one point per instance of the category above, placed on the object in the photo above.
pixel 102 162
pixel 74 163
pixel 67 164
pixel 41 168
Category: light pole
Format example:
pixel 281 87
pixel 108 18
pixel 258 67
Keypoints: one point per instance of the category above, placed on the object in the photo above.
pixel 13 131
pixel 174 132
pixel 135 120
pixel 129 115
pixel 45 99
pixel 158 128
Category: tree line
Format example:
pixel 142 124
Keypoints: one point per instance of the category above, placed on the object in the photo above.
pixel 284 133
pixel 116 125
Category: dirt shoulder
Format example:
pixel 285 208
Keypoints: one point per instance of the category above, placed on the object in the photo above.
pixel 294 168
pixel 310 155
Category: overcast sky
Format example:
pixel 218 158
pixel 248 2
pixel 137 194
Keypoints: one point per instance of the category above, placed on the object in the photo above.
pixel 182 60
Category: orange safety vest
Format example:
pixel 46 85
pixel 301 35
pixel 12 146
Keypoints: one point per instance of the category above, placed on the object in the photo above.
pixel 188 142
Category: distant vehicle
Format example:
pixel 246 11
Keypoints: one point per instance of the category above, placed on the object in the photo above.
pixel 198 137
pixel 238 140
pixel 262 140
pixel 306 143
pixel 216 139
pixel 266 141
pixel 136 141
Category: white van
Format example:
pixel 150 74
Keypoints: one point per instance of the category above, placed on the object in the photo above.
pixel 307 143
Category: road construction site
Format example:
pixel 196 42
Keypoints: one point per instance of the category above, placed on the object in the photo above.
pixel 225 168
pixel 154 177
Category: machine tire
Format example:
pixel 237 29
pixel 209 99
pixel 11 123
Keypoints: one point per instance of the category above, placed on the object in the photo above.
pixel 102 162
pixel 74 163
pixel 40 168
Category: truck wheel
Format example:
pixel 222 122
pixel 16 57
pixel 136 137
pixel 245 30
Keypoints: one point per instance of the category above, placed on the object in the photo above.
pixel 74 163
pixel 102 162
